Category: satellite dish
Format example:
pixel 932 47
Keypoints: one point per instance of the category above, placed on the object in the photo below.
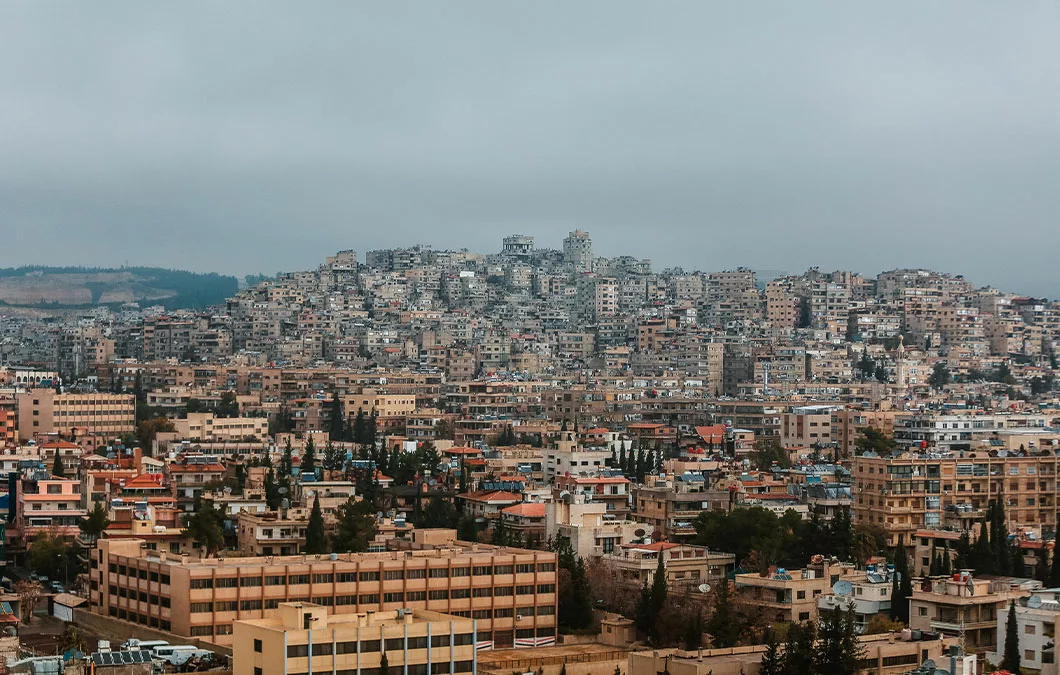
pixel 842 588
pixel 704 588
pixel 282 490
pixel 228 490
pixel 1034 602
pixel 928 665
pixel 285 503
pixel 379 515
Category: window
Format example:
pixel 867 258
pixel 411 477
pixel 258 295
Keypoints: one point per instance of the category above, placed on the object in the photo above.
pixel 249 581
pixel 201 607
pixel 1028 654
pixel 804 616
pixel 481 592
pixel 201 583
pixel 1030 629
pixel 524 569
pixel 394 644
pixel 276 580
pixel 393 597
pixel 546 588
pixel 415 596
pixel 439 640
pixel 370 599
pixel 460 572
pixel 297 651
pixel 416 574
pixel 439 573
pixel 345 577
pixel 296 579
pixel 801 595
pixel 200 631
pixel 438 595
pixel 257 646
pixel 392 575
pixel 921 611
pixel 323 578
pixel 369 576
pixel 417 643
pixel 546 567
pixel 249 605
pixel 503 569
pixel 226 582
pixel 460 593
pixel 482 570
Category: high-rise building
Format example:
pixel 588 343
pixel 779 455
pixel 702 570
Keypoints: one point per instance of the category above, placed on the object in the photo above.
pixel 578 251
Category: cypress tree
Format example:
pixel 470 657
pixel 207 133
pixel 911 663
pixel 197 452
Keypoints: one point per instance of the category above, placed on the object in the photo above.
pixel 309 457
pixel 384 665
pixel 58 470
pixel 1011 660
pixel 772 660
pixel 723 626
pixel 621 458
pixel 901 585
pixel 315 541
pixel 1054 570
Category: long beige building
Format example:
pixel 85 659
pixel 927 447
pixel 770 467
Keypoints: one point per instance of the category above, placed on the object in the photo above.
pixel 416 642
pixel 43 411
pixel 509 592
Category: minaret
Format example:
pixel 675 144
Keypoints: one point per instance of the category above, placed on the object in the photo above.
pixel 900 364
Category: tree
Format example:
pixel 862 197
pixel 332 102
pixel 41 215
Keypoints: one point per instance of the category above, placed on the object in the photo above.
pixel 371 428
pixel 57 466
pixel 659 589
pixel 901 585
pixel 384 665
pixel 356 527
pixel 336 428
pixel 315 541
pixel 48 554
pixel 29 594
pixel 440 512
pixel 768 451
pixel 940 376
pixel 694 632
pixel 722 625
pixel 880 623
pixel 334 457
pixel 273 498
pixel 1011 660
pixel 309 457
pixel 71 638
pixel 204 526
pixel 874 440
pixel 838 650
pixel 799 653
pixel 1054 569
pixel 94 523
pixel 148 430
pixel 772 660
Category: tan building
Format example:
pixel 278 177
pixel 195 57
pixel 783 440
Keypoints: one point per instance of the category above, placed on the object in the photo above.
pixel 207 426
pixel 807 426
pixel 671 506
pixel 417 642
pixel 687 567
pixel 964 608
pixel 271 533
pixel 507 591
pixel 590 530
pixel 43 411
pixel 884 654
pixel 919 490
pixel 791 595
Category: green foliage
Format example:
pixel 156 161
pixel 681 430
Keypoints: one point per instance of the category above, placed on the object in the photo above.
pixel 940 376
pixel 315 540
pixel 722 625
pixel 1011 659
pixel 309 457
pixel 507 437
pixel 874 440
pixel 272 491
pixel 880 623
pixel 768 451
pixel 334 457
pixel 440 512
pixel 336 420
pixel 356 527
pixel 205 526
pixel 838 649
pixel 384 664
pixel 901 585
pixel 57 466
pixel 772 659
pixel 95 522
pixel 788 541
pixel 799 649
pixel 49 555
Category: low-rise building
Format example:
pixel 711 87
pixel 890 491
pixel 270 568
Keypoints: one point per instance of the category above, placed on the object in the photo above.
pixel 687 567
pixel 413 641
pixel 791 595
pixel 590 530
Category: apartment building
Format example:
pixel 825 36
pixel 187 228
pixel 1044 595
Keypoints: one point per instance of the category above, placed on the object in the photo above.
pixel 416 642
pixel 807 426
pixel 208 427
pixel 570 458
pixel 1036 619
pixel 507 591
pixel 671 506
pixel 43 412
pixel 791 595
pixel 191 476
pixel 961 606
pixel 8 428
pixel 848 424
pixel 687 567
pixel 960 431
pixel 589 528
pixel 869 596
pixel 272 533
pixel 611 491
pixel 49 504
pixel 916 491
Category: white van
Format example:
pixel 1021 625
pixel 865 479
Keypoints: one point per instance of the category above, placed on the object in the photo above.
pixel 178 655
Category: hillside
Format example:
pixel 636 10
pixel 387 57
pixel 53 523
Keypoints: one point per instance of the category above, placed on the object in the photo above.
pixel 69 287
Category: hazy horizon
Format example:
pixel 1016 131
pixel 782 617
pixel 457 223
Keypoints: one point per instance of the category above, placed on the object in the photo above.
pixel 250 138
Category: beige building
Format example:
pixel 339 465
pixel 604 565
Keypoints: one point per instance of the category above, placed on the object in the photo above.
pixel 964 608
pixel 884 654
pixel 791 595
pixel 272 533
pixel 416 642
pixel 43 411
pixel 918 490
pixel 590 529
pixel 207 427
pixel 687 567
pixel 509 592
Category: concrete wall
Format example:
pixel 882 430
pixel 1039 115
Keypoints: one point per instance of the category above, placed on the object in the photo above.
pixel 116 629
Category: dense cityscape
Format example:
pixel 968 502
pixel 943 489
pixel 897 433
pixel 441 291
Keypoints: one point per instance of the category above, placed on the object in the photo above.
pixel 528 460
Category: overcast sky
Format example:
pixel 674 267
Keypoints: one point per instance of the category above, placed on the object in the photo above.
pixel 261 136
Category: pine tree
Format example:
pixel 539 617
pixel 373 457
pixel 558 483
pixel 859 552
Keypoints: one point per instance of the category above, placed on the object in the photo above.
pixel 360 426
pixel 838 649
pixel 336 425
pixel 1054 570
pixel 722 625
pixel 650 462
pixel 334 457
pixel 658 587
pixel 309 457
pixel 772 660
pixel 622 458
pixel 641 465
pixel 901 585
pixel 384 665
pixel 1011 660
pixel 642 615
pixel 947 562
pixel 1019 564
pixel 694 632
pixel 799 649
pixel 315 541
pixel 57 466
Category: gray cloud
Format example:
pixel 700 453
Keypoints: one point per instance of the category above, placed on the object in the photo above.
pixel 257 136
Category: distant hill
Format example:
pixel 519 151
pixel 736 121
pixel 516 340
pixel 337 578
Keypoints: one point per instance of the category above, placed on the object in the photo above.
pixel 43 287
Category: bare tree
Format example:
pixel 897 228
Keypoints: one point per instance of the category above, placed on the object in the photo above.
pixel 29 593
